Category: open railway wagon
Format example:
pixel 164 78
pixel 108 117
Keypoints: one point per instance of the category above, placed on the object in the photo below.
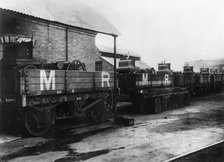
pixel 187 79
pixel 45 92
pixel 150 92
pixel 221 73
pixel 216 80
pixel 198 83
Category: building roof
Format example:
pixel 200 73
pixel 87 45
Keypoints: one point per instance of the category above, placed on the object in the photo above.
pixel 212 63
pixel 138 63
pixel 118 51
pixel 142 65
pixel 110 60
pixel 69 12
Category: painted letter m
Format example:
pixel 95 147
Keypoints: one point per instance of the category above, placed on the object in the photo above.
pixel 47 81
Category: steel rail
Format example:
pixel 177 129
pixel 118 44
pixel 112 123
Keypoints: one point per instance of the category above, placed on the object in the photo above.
pixel 194 152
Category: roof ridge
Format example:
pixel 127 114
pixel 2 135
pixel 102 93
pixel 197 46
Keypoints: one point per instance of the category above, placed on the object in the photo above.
pixel 82 15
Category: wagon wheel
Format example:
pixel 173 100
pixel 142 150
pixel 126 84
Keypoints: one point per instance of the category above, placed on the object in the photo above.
pixel 30 67
pixel 102 110
pixel 108 103
pixel 96 113
pixel 21 69
pixel 38 122
pixel 76 65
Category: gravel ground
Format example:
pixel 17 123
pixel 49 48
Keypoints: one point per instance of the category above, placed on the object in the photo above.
pixel 155 137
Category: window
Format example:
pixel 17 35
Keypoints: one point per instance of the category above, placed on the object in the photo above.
pixel 98 66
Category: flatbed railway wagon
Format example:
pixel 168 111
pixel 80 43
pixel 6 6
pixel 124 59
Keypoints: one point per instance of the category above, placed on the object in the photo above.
pixel 39 93
pixel 150 91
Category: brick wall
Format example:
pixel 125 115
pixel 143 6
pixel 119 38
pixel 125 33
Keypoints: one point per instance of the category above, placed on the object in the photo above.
pixel 82 47
pixel 51 38
pixel 107 66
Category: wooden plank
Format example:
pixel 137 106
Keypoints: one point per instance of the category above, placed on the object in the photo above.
pixel 80 85
pixel 83 74
pixel 52 92
pixel 79 90
pixel 99 85
pixel 36 72
pixel 73 88
pixel 36 87
pixel 35 80
pixel 79 79
pixel 111 76
pixel 74 73
pixel 104 88
pixel 100 79
pixel 99 74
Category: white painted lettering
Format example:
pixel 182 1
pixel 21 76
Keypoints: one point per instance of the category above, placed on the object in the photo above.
pixel 47 81
pixel 166 78
pixel 144 79
pixel 105 78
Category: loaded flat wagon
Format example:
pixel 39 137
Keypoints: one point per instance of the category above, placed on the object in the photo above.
pixel 150 91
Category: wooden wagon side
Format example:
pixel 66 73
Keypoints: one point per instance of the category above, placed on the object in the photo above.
pixel 61 94
pixel 153 93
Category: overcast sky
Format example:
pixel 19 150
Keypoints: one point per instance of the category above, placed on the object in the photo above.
pixel 173 30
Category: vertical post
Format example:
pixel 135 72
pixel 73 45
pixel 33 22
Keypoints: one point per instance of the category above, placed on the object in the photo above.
pixel 115 78
pixel 1 55
pixel 66 44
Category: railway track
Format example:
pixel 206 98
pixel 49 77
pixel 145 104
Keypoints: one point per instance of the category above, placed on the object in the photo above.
pixel 210 153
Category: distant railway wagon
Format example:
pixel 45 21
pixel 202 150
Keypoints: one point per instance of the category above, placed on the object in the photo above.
pixel 44 92
pixel 198 83
pixel 150 91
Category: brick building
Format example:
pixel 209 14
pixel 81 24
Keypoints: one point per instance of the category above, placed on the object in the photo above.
pixel 61 32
